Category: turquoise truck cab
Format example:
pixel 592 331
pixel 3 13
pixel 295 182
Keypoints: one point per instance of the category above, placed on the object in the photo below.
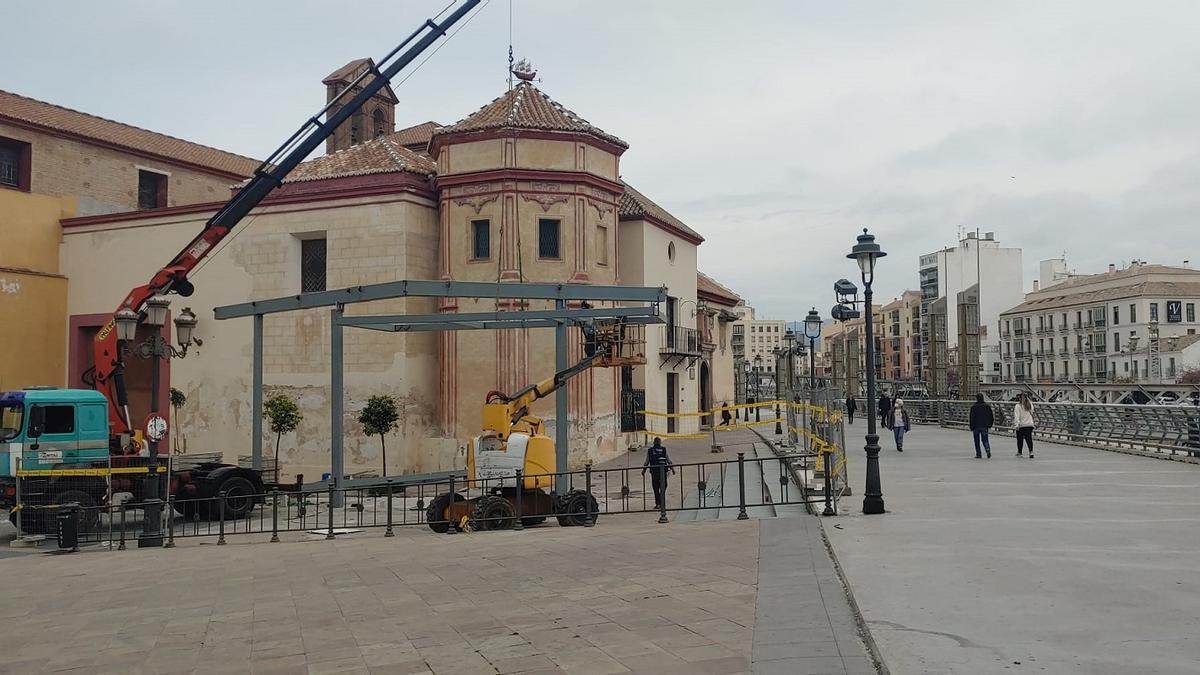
pixel 47 428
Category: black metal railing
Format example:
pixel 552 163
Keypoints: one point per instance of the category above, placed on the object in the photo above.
pixel 680 340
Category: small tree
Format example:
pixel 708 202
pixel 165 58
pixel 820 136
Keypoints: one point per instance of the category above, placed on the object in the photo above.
pixel 285 416
pixel 378 419
pixel 178 400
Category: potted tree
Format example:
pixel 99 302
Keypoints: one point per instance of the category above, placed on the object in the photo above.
pixel 379 418
pixel 284 416
pixel 178 400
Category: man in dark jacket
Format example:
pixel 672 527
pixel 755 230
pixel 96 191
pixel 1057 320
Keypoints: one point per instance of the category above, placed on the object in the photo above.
pixel 851 407
pixel 658 463
pixel 981 421
pixel 885 407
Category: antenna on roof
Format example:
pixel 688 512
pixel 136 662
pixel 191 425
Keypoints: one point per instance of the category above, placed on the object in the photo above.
pixel 510 41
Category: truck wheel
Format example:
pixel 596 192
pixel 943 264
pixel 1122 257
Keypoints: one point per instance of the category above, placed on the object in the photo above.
pixel 574 506
pixel 493 512
pixel 239 497
pixel 435 515
pixel 89 515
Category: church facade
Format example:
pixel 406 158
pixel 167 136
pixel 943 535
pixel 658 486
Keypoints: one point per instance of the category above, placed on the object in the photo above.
pixel 521 190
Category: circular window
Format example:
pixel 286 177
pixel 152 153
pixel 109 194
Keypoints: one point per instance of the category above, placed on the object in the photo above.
pixel 671 251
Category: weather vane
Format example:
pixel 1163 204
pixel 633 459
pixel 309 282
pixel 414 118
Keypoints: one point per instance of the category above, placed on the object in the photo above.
pixel 524 70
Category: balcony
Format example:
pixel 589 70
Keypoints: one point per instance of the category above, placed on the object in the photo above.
pixel 1045 330
pixel 1063 328
pixel 680 341
pixel 1018 331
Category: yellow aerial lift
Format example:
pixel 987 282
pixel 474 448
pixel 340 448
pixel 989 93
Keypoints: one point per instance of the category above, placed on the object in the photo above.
pixel 514 439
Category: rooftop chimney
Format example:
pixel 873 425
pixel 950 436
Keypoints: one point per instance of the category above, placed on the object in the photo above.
pixel 1112 267
pixel 989 236
pixel 1035 285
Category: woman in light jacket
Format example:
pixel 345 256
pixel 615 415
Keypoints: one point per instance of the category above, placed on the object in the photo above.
pixel 897 421
pixel 1023 422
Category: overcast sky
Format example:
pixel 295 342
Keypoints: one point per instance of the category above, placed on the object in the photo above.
pixel 776 129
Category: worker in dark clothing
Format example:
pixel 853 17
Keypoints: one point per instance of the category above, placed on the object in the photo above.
pixel 851 407
pixel 658 463
pixel 726 417
pixel 885 407
pixel 980 421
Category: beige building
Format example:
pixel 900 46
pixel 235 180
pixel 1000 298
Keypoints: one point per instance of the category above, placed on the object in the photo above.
pixel 521 190
pixel 717 304
pixel 900 333
pixel 59 163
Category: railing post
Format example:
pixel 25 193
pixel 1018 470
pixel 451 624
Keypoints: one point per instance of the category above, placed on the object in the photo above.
pixel 741 461
pixel 121 546
pixel 827 464
pixel 388 532
pixel 221 527
pixel 520 483
pixel 329 508
pixel 170 542
pixel 590 519
pixel 778 422
pixel 453 529
pixel 274 515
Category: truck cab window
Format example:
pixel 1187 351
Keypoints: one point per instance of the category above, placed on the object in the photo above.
pixel 60 419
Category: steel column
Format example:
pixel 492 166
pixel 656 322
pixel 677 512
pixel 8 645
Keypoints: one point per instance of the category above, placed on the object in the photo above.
pixel 336 400
pixel 256 396
pixel 560 404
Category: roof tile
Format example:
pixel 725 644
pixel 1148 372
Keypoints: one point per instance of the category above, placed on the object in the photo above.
pixel 708 285
pixel 382 155
pixel 58 118
pixel 527 107
pixel 635 205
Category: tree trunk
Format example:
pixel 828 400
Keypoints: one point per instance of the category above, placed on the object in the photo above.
pixel 383 445
pixel 277 437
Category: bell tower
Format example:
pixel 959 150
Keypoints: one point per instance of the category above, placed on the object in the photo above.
pixel 376 118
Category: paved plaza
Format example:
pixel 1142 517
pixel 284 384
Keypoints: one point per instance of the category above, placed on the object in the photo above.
pixel 629 595
pixel 1078 561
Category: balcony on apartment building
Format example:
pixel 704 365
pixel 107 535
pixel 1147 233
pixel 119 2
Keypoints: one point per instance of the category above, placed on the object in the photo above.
pixel 1045 330
pixel 680 341
pixel 1018 330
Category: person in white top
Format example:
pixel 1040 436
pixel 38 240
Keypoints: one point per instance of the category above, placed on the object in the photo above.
pixel 1023 422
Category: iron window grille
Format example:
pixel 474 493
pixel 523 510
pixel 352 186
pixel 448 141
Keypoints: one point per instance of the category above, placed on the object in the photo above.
pixel 312 265
pixel 548 238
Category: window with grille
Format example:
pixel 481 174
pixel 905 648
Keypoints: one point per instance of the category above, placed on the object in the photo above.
pixel 14 163
pixel 312 265
pixel 481 239
pixel 152 190
pixel 548 238
pixel 1154 311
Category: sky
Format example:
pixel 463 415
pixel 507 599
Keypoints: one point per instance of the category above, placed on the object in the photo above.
pixel 778 130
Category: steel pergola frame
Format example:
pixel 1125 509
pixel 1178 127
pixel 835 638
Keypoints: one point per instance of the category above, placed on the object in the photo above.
pixel 559 318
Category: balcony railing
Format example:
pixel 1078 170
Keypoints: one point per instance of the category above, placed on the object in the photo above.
pixel 1045 330
pixel 680 340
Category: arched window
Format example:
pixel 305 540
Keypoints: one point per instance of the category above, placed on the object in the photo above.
pixel 380 123
pixel 356 128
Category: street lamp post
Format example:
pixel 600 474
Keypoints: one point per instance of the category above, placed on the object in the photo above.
pixel 812 331
pixel 789 338
pixel 866 252
pixel 155 348
pixel 758 360
pixel 746 387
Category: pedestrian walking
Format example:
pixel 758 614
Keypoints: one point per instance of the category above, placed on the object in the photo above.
pixel 658 463
pixel 885 407
pixel 1023 421
pixel 851 407
pixel 980 421
pixel 897 421
pixel 725 416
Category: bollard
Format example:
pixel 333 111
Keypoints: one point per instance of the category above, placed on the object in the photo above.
pixel 662 513
pixel 757 409
pixel 778 422
pixel 329 508
pixel 274 515
pixel 170 543
pixel 221 527
pixel 453 529
pixel 388 532
pixel 590 519
pixel 121 546
pixel 741 461
pixel 518 525
pixel 827 464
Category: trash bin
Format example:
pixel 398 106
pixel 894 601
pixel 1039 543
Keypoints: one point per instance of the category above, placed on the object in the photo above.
pixel 67 518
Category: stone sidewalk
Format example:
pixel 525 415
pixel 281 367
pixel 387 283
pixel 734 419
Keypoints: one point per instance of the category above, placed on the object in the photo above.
pixel 629 595
pixel 1079 561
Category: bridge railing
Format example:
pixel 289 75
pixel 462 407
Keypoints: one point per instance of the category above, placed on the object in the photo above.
pixel 1171 430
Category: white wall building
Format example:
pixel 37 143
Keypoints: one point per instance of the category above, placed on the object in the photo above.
pixel 973 260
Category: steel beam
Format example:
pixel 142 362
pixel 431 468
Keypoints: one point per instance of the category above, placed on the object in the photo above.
pixel 256 398
pixel 502 324
pixel 441 289
pixel 336 400
pixel 565 315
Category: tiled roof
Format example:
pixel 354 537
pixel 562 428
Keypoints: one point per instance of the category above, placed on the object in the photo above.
pixel 709 286
pixel 1181 343
pixel 417 136
pixel 1156 289
pixel 636 205
pixel 527 107
pixel 57 118
pixel 382 155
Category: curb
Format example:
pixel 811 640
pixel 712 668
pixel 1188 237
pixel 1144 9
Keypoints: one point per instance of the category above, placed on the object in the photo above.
pixel 864 632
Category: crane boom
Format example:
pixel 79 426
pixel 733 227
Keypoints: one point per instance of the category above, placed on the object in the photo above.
pixel 173 278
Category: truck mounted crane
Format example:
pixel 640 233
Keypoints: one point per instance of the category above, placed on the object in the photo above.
pixel 24 433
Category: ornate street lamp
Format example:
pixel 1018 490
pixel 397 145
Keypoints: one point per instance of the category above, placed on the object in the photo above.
pixel 758 360
pixel 746 387
pixel 866 252
pixel 127 321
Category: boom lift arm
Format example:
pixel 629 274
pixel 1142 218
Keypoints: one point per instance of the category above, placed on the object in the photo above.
pixel 173 278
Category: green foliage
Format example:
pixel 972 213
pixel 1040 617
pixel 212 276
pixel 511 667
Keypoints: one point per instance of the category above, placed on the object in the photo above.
pixel 380 416
pixel 283 413
pixel 178 399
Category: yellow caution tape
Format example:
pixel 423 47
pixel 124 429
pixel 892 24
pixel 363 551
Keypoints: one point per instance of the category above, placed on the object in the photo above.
pixel 43 473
